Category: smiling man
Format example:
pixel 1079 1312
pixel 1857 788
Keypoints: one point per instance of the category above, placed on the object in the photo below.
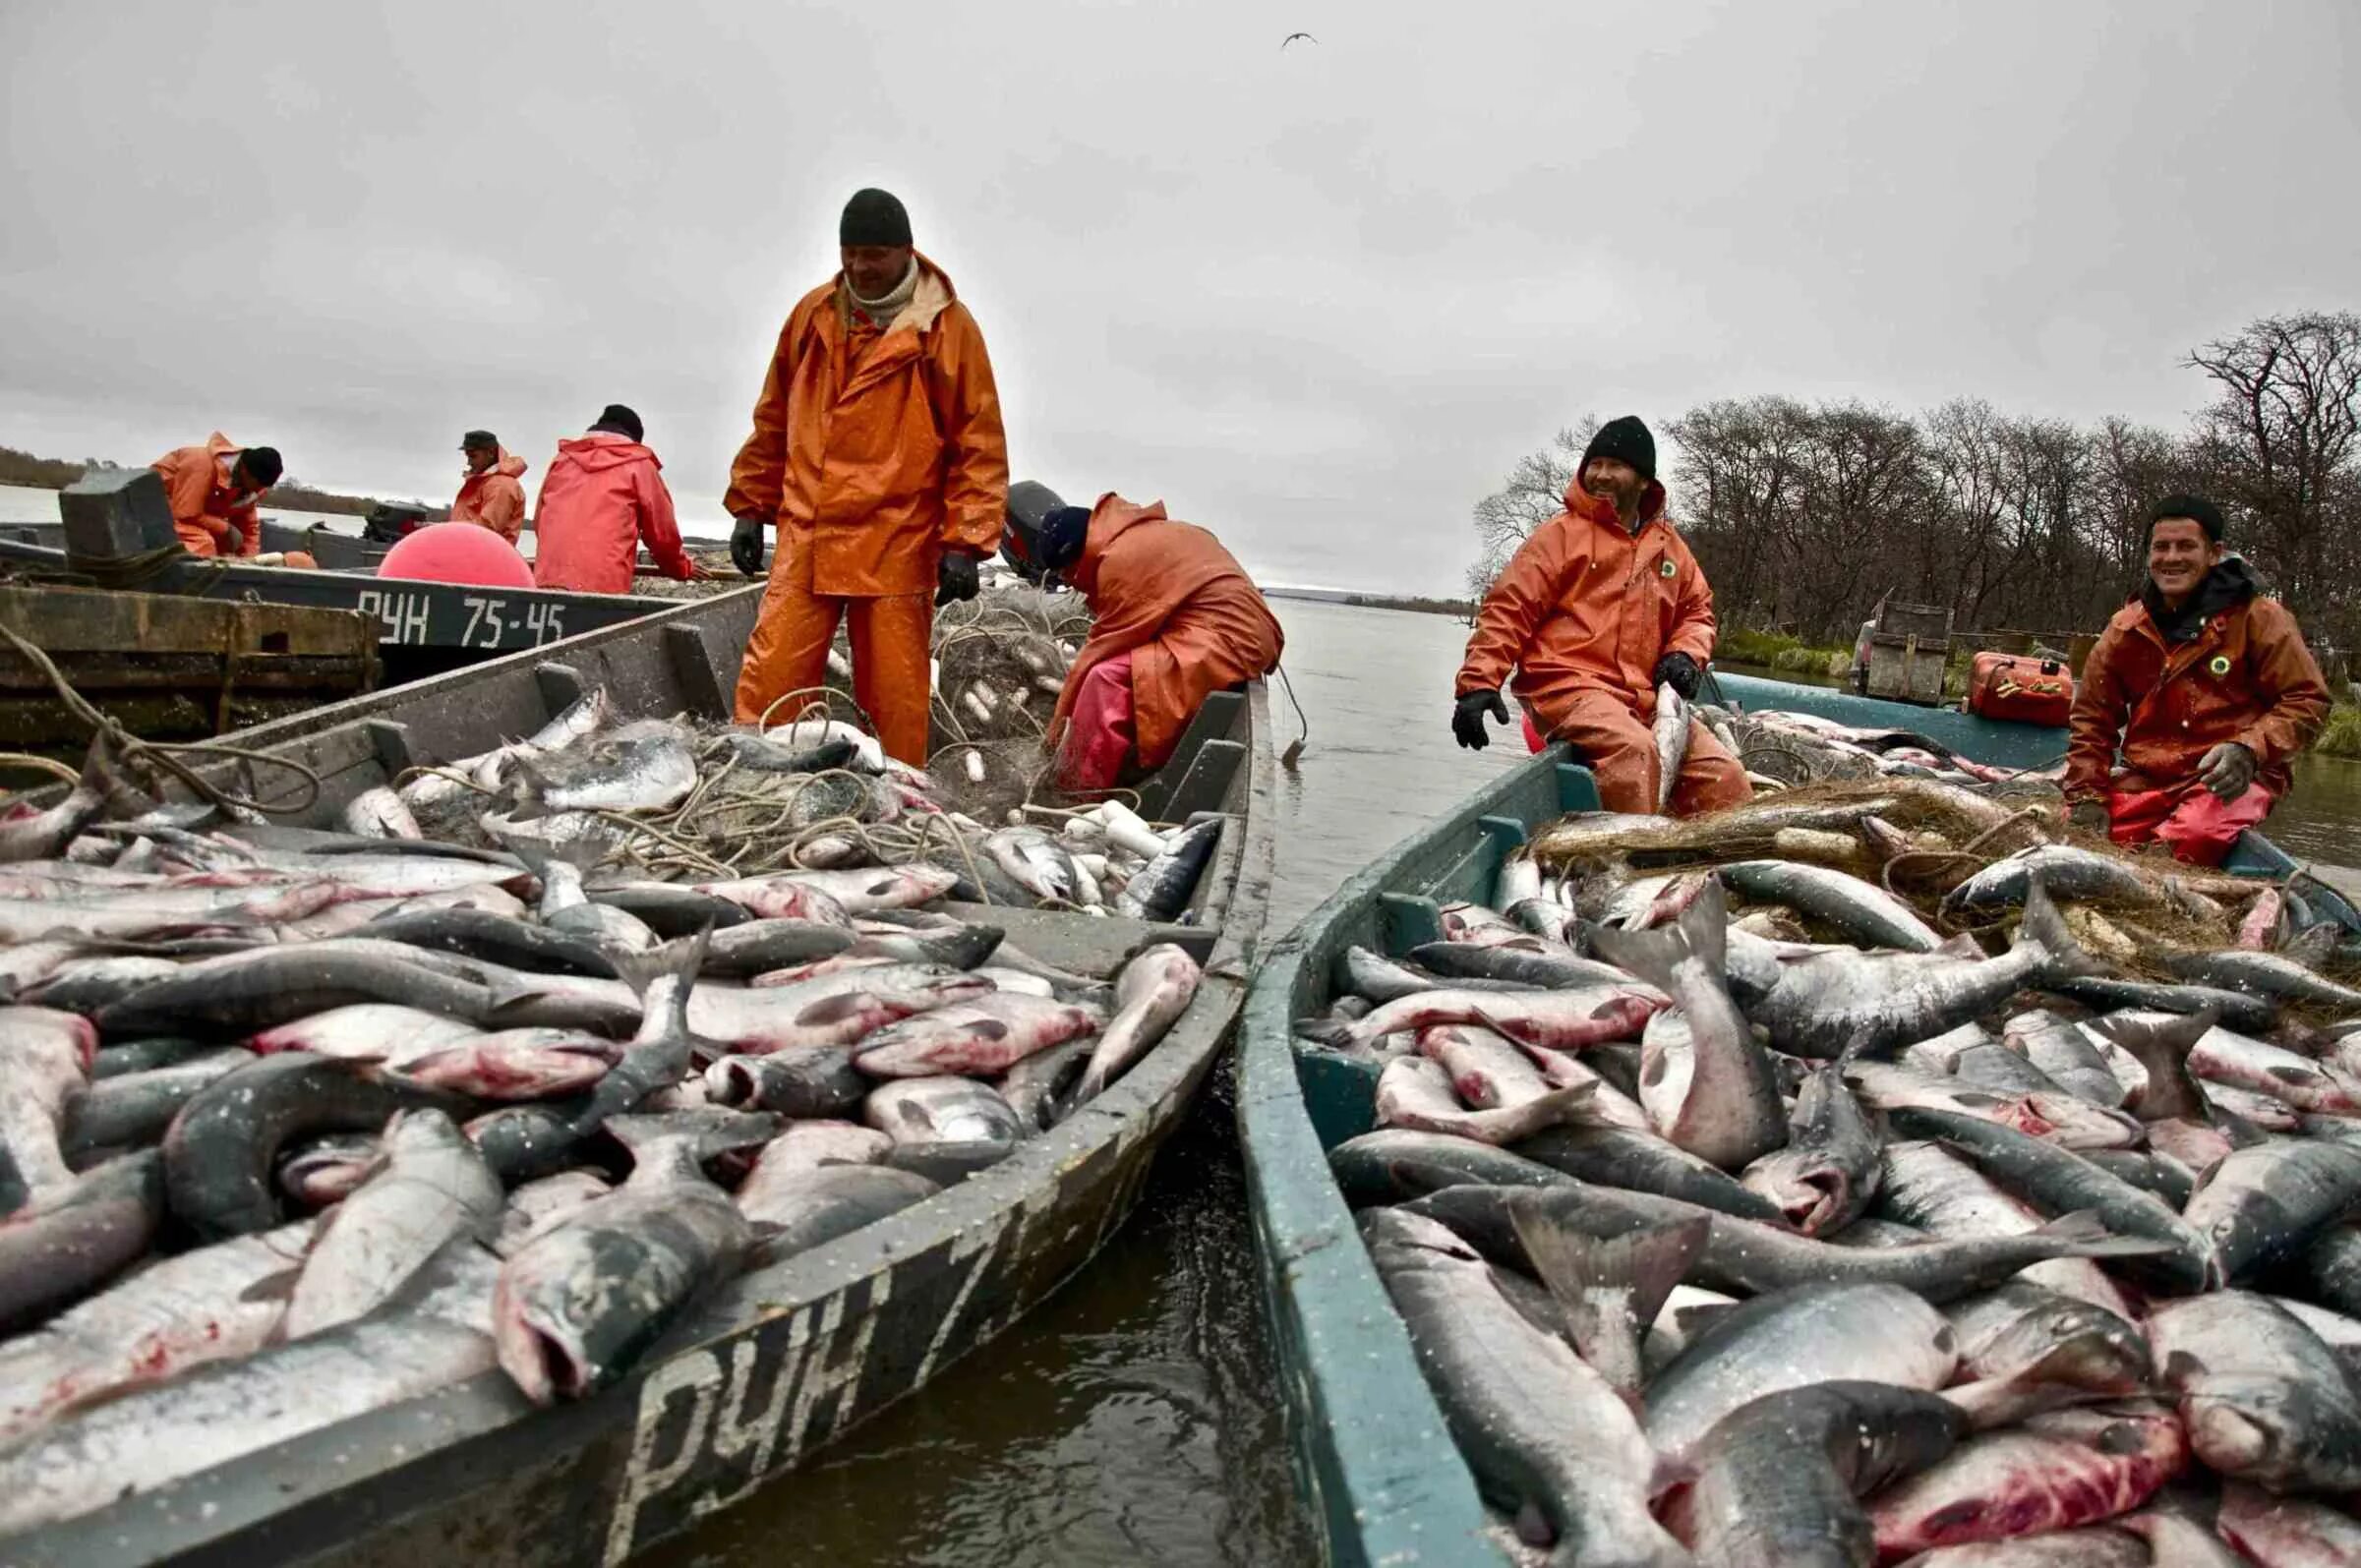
pixel 2208 688
pixel 1600 607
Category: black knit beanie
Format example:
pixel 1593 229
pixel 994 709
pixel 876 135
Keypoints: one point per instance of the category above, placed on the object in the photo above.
pixel 873 217
pixel 2197 509
pixel 617 419
pixel 1625 438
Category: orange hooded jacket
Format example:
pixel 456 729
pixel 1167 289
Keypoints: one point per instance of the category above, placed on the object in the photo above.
pixel 878 449
pixel 2246 675
pixel 204 508
pixel 493 498
pixel 1584 605
pixel 601 497
pixel 1169 595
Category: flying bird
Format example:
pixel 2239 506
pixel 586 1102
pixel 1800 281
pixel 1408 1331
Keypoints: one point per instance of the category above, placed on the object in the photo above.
pixel 1292 36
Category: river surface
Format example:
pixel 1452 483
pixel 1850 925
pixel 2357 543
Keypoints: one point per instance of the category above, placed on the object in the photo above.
pixel 1132 1420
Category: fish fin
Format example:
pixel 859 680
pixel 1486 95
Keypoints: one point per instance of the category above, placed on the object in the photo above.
pixel 712 1129
pixel 1565 1104
pixel 683 959
pixel 2082 1233
pixel 275 1286
pixel 2162 1049
pixel 1331 1032
pixel 835 1008
pixel 2044 925
pixel 1991 1403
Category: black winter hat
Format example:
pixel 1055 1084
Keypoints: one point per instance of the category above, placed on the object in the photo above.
pixel 478 440
pixel 873 217
pixel 617 420
pixel 261 465
pixel 2197 509
pixel 1625 438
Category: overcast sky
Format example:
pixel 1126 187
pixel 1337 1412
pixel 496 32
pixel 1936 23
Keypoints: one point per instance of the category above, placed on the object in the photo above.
pixel 1318 300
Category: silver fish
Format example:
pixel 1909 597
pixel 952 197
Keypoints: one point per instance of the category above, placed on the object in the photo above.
pixel 1534 1422
pixel 1670 732
pixel 642 765
pixel 1862 911
pixel 2265 1203
pixel 155 1435
pixel 45 1060
pixel 576 1304
pixel 1415 1094
pixel 1829 1169
pixel 1726 1108
pixel 379 813
pixel 47 833
pixel 2055 1471
pixel 1153 990
pixel 433 1188
pixel 1779 1481
pixel 2263 1398
pixel 1160 889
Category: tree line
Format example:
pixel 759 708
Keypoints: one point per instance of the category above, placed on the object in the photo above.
pixel 1805 516
pixel 53 473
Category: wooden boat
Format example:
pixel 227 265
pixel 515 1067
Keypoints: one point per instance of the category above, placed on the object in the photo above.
pixel 1381 1477
pixel 768 1371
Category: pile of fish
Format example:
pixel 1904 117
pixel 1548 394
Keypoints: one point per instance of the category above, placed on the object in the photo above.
pixel 1740 1217
pixel 297 1124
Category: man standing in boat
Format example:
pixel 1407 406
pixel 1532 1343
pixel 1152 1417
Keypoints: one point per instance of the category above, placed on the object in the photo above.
pixel 877 454
pixel 1174 619
pixel 603 498
pixel 490 495
pixel 1599 608
pixel 212 490
pixel 2208 688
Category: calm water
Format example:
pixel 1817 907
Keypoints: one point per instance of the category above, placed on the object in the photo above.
pixel 1131 1419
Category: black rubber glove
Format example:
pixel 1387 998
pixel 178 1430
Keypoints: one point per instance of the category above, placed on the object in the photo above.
pixel 955 578
pixel 232 541
pixel 1467 719
pixel 2091 816
pixel 2227 770
pixel 1680 672
pixel 745 545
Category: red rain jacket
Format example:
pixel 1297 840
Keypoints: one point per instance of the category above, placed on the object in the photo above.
pixel 601 496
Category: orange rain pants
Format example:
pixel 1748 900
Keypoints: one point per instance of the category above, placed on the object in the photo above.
pixel 891 636
pixel 1620 750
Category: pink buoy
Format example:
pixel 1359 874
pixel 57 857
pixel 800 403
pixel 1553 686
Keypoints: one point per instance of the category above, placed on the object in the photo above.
pixel 457 552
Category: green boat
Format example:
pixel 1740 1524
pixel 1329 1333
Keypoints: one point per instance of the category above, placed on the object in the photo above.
pixel 1381 1477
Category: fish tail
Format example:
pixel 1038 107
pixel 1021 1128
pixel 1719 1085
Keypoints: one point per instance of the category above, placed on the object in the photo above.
pixel 1577 1268
pixel 2162 1049
pixel 1335 1033
pixel 2045 927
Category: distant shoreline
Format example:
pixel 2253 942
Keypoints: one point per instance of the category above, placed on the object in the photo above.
pixel 56 473
pixel 1460 607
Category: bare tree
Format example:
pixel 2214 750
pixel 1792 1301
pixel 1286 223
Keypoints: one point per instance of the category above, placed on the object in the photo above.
pixel 2285 426
pixel 1535 494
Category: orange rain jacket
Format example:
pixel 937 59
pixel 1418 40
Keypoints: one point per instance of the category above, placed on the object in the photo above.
pixel 494 498
pixel 601 497
pixel 204 508
pixel 1585 606
pixel 2245 677
pixel 879 449
pixel 1168 594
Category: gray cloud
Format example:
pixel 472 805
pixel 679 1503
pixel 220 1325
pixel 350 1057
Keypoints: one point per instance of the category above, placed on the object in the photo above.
pixel 1318 301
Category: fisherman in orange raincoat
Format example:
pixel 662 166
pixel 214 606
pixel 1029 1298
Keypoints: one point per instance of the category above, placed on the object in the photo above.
pixel 213 489
pixel 877 455
pixel 1174 619
pixel 2207 686
pixel 1599 608
pixel 490 496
